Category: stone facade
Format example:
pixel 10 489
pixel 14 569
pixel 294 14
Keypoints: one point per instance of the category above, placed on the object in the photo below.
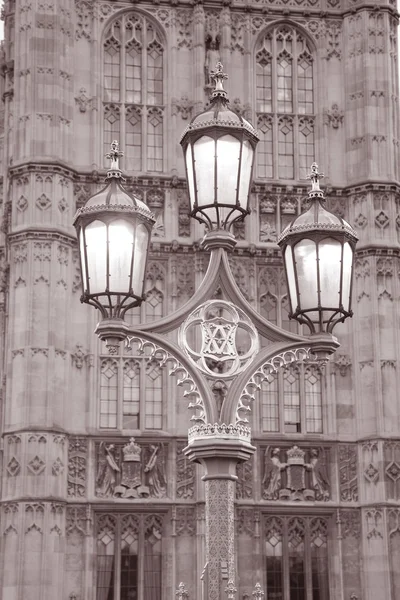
pixel 67 486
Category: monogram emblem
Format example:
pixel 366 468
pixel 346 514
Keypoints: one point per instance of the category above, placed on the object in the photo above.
pixel 219 339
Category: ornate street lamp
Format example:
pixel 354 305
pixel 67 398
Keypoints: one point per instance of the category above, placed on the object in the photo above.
pixel 318 249
pixel 113 230
pixel 219 147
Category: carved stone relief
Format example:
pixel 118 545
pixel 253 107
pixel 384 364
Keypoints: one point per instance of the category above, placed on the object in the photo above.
pixel 348 469
pixel 244 484
pixel 131 470
pixel 78 520
pixel 245 521
pixel 296 474
pixel 374 523
pixel 370 460
pixel 185 474
pixel 185 520
pixel 391 453
pixel 77 467
pixel 350 523
pixel 184 107
pixel 334 116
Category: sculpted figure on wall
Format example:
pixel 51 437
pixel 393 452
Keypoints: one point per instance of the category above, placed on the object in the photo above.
pixel 213 56
pixel 297 478
pixel 130 470
pixel 272 479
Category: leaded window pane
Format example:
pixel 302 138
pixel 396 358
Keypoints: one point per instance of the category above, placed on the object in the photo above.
pixel 297 583
pixel 319 560
pixel 152 559
pixel 105 558
pixel 274 558
pixel 131 394
pixel 296 557
pixel 312 384
pixel 128 557
pixel 270 404
pixel 153 393
pixel 291 399
pixel 134 91
pixel 284 86
pixel 108 393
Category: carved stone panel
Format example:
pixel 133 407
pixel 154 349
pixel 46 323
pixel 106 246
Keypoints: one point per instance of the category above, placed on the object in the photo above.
pixel 185 474
pixel 77 457
pixel 131 470
pixel 348 467
pixel 186 520
pixel 349 521
pixel 391 452
pixel 296 474
pixel 244 484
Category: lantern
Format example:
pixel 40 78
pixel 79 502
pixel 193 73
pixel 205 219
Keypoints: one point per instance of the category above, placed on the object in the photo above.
pixel 218 147
pixel 318 250
pixel 113 230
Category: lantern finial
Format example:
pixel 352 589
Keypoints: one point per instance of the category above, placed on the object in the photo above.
pixel 315 176
pixel 218 76
pixel 114 155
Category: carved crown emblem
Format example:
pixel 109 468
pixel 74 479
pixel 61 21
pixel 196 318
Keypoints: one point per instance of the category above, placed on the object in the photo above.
pixel 131 451
pixel 295 456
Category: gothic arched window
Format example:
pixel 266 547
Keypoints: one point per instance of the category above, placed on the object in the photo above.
pixel 296 557
pixel 128 556
pixel 284 104
pixel 291 401
pixel 133 95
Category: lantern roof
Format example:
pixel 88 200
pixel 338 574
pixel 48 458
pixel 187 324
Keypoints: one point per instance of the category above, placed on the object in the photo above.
pixel 218 113
pixel 317 218
pixel 113 197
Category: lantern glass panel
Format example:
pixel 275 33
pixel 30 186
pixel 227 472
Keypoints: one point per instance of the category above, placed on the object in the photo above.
pixel 190 175
pixel 330 255
pixel 139 259
pixel 305 255
pixel 96 249
pixel 228 154
pixel 83 261
pixel 347 274
pixel 291 278
pixel 204 156
pixel 120 248
pixel 245 173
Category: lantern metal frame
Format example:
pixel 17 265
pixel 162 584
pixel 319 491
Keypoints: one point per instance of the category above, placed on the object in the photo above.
pixel 216 129
pixel 117 303
pixel 316 232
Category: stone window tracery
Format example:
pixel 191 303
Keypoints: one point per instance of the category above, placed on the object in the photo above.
pixel 128 563
pixel 291 402
pixel 133 91
pixel 296 557
pixel 285 104
pixel 131 387
pixel 131 392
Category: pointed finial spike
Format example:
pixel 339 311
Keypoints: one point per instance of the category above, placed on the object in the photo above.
pixel 315 176
pixel 114 155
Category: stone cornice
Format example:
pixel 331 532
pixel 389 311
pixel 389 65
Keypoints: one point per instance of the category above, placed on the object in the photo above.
pixel 270 10
pixel 377 251
pixel 95 176
pixel 41 234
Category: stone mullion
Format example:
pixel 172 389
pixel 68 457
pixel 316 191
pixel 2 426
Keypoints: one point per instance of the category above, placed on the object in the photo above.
pixel 220 496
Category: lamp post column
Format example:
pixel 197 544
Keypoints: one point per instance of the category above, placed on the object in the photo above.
pixel 219 454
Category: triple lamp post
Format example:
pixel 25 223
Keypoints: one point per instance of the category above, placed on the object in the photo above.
pixel 114 231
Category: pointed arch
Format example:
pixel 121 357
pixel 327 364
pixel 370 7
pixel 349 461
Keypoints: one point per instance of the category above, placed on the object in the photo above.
pixel 134 89
pixel 284 56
